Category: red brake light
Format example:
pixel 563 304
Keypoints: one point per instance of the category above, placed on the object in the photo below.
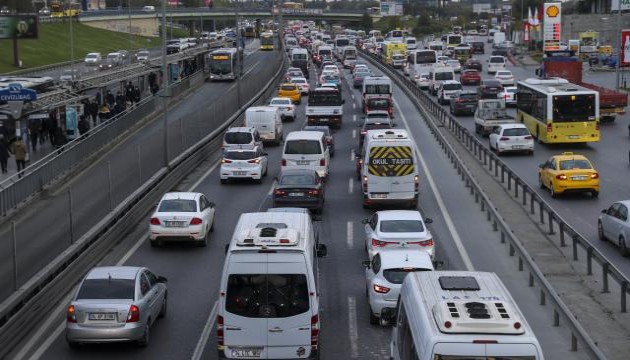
pixel 561 177
pixel 220 330
pixel 422 243
pixel 528 137
pixel 255 161
pixel 381 289
pixel 280 193
pixel 134 314
pixel 549 128
pixel 71 315
pixel 322 162
pixel 226 161
pixel 313 192
pixel 195 221
pixel 379 243
pixel 314 331
pixel 595 176
pixel 155 221
pixel 284 162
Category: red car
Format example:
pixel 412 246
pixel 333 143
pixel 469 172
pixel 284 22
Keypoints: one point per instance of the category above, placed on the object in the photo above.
pixel 470 77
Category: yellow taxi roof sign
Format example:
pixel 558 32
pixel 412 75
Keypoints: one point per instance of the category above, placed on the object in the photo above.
pixel 567 153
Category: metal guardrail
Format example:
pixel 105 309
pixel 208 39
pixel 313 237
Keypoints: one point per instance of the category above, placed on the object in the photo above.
pixel 21 313
pixel 428 107
pixel 39 69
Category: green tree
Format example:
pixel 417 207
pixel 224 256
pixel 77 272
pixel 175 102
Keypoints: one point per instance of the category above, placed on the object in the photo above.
pixel 366 22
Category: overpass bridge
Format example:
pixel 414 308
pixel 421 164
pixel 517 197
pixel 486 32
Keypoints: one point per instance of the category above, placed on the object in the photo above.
pixel 139 22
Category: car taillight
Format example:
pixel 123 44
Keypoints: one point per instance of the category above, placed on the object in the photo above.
pixel 597 126
pixel 549 128
pixel 314 332
pixel 71 316
pixel 155 221
pixel 561 177
pixel 313 192
pixel 284 162
pixel 329 141
pixel 422 243
pixel 195 221
pixel 280 193
pixel 504 138
pixel 379 243
pixel 322 162
pixel 595 176
pixel 220 338
pixel 255 161
pixel 528 137
pixel 506 96
pixel 381 289
pixel 226 161
pixel 134 314
pixel 363 132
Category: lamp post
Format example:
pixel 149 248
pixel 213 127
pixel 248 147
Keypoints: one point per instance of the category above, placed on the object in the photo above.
pixel 129 13
pixel 164 92
pixel 71 50
pixel 619 49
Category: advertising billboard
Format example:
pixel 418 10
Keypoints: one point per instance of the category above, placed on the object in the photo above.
pixel 19 27
pixel 552 25
pixel 625 47
pixel 391 8
pixel 614 5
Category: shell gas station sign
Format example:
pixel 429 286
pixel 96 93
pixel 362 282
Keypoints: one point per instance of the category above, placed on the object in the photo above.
pixel 552 25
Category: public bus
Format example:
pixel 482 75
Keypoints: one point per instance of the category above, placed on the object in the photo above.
pixel 453 39
pixel 421 61
pixel 556 111
pixel 223 64
pixel 65 9
pixel 266 41
pixel 292 5
pixel 250 32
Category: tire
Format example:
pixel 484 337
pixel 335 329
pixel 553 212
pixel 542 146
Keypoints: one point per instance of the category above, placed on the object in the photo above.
pixel 623 248
pixel 224 181
pixel 146 337
pixel 540 182
pixel 164 308
pixel 258 181
pixel 264 174
pixel 600 231
pixel 595 193
pixel 212 226
pixel 553 193
pixel 477 128
pixel 154 243
pixel 374 320
pixel 74 345
pixel 203 242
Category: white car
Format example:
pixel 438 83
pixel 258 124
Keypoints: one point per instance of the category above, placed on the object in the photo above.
pixel 442 59
pixel 505 77
pixel 511 138
pixel 455 64
pixel 446 90
pixel 243 164
pixel 93 59
pixel 70 75
pixel 384 275
pixel 302 83
pixel 332 68
pixel 287 109
pixel 397 228
pixel 360 67
pixel 423 81
pixel 508 94
pixel 182 216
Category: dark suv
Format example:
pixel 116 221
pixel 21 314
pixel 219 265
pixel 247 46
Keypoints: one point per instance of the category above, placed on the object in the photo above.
pixel 464 102
pixel 489 89
pixel 477 47
pixel 473 64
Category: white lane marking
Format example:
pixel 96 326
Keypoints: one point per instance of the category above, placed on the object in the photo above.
pixel 354 106
pixel 352 156
pixel 353 331
pixel 352 96
pixel 46 344
pixel 354 133
pixel 447 218
pixel 350 185
pixel 205 334
pixel 354 118
pixel 203 177
pixel 350 232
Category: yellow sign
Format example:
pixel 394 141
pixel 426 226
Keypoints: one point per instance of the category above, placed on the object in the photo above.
pixel 553 11
pixel 391 161
pixel 220 57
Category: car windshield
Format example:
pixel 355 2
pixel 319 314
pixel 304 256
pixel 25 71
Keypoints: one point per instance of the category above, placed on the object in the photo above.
pixel 240 155
pixel 298 81
pixel 396 276
pixel 178 205
pixel 297 179
pixel 504 73
pixel 375 126
pixel 267 295
pixel 401 226
pixel 330 97
pixel 107 289
pixel 516 132
pixel 471 72
pixel 491 83
pixel 143 53
pixel 92 56
pixel 468 96
pixel 302 147
pixel 575 164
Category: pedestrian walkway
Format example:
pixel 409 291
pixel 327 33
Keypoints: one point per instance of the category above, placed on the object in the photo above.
pixel 42 150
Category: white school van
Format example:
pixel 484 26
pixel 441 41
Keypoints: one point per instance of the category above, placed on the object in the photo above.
pixel 460 315
pixel 267 120
pixel 389 174
pixel 269 299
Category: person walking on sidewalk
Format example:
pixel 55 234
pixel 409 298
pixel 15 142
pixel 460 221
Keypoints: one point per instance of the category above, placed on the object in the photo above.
pixel 19 150
pixel 4 153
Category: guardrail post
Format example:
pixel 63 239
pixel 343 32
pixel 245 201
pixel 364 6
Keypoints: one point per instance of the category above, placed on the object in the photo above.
pixel 490 164
pixel 531 204
pixel 502 237
pixel 624 293
pixel 485 158
pixel 14 250
pixel 509 182
pixel 550 216
pixel 520 263
pixel 495 226
pixel 543 297
pixel 542 214
pixel 109 185
pixel 561 230
pixel 496 168
pixel 574 342
pixel 502 174
pixel 605 267
pixel 70 215
pixel 512 249
pixel 589 261
pixel 531 279
pixel 516 183
pixel 556 318
pixel 575 243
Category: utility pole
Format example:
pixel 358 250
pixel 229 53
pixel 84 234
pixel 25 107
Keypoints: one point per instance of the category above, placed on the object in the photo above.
pixel 619 49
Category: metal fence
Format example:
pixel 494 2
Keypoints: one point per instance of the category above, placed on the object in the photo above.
pixel 525 262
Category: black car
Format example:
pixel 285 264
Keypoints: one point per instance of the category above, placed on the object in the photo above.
pixel 330 140
pixel 489 89
pixel 299 188
pixel 502 51
pixel 478 47
pixel 464 102
pixel 473 64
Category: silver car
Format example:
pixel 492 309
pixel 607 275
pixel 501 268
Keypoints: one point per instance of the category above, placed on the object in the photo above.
pixel 116 304
pixel 613 225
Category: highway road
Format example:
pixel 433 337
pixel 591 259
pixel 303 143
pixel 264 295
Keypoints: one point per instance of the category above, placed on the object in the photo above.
pixel 464 241
pixel 609 156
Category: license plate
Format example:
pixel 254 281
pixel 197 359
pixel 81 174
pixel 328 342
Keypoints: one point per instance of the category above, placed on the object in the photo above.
pixel 323 119
pixel 247 353
pixel 102 316
pixel 574 136
pixel 303 162
pixel 578 177
pixel 175 223
pixel 517 146
pixel 379 196
pixel 296 194
pixel 240 173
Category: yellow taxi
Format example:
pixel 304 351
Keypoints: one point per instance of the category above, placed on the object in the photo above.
pixel 291 91
pixel 568 172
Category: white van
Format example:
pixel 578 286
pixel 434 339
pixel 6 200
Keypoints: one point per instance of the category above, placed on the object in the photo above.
pixel 306 149
pixel 459 315
pixel 267 120
pixel 241 138
pixel 497 38
pixel 412 43
pixel 389 174
pixel 269 302
pixel 439 74
pixel 496 62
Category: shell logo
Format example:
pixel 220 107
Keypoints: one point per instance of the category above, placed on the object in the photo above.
pixel 553 11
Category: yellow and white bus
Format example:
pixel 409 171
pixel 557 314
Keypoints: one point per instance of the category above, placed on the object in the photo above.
pixel 266 41
pixel 556 111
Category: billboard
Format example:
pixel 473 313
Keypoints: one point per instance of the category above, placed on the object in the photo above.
pixel 19 27
pixel 614 5
pixel 625 47
pixel 552 25
pixel 391 8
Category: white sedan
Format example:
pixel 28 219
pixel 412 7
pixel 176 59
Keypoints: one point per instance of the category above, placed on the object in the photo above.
pixel 511 138
pixel 397 228
pixel 302 83
pixel 286 107
pixel 505 77
pixel 455 64
pixel 243 164
pixel 182 216
pixel 384 275
pixel 332 68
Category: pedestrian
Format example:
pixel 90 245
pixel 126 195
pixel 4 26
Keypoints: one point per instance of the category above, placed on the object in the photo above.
pixel 110 99
pixel 97 98
pixel 20 150
pixel 43 133
pixel 120 99
pixel 84 126
pixel 60 140
pixel 33 130
pixel 4 154
pixel 103 113
pixel 93 111
pixel 136 94
pixel 52 127
pixel 129 92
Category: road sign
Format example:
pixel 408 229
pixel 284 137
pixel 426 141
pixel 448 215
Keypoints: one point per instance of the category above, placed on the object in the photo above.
pixel 552 25
pixel 15 92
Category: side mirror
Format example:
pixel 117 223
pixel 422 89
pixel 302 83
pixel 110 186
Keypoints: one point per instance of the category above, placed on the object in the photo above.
pixel 604 211
pixel 542 166
pixel 161 279
pixel 366 264
pixel 322 250
pixel 343 101
pixel 365 221
pixel 428 220
pixel 438 264
pixel 212 204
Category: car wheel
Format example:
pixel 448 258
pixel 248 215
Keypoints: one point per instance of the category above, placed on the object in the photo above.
pixel 164 307
pixel 258 181
pixel 146 337
pixel 595 193
pixel 203 242
pixel 266 170
pixel 224 181
pixel 212 225
pixel 373 318
pixel 623 248
pixel 552 191
pixel 74 345
pixel 477 128
pixel 153 243
pixel 600 231
pixel 540 182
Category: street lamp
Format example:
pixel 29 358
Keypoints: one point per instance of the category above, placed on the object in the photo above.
pixel 619 50
pixel 164 92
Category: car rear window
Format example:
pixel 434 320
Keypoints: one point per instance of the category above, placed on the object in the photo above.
pixel 107 289
pixel 297 179
pixel 240 155
pixel 491 83
pixel 452 86
pixel 288 87
pixel 574 164
pixel 401 226
pixel 375 126
pixel 468 96
pixel 267 295
pixel 178 205
pixel 302 147
pixel 396 276
pixel 516 132
pixel 281 102
pixel 497 60
pixel 238 138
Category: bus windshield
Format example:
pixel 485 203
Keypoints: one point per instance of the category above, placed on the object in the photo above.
pixel 572 108
pixel 221 64
pixel 342 42
pixel 426 57
pixel 266 40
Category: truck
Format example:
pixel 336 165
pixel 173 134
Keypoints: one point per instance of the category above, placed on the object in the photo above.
pixel 490 113
pixel 390 48
pixel 611 102
pixel 325 107
pixel 376 87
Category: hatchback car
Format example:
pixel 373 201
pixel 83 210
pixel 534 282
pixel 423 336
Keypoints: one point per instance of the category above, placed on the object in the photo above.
pixel 70 75
pixel 423 80
pixel 299 188
pixel 302 83
pixel 359 76
pixel 243 137
pixel 511 138
pixel 504 77
pixel 509 95
pixel 489 89
pixel 397 228
pixel 473 64
pixel 568 172
pixel 107 63
pixel 332 68
pixel 292 91
pixel 470 77
pixel 142 55
pixel 455 64
pixel 93 59
pixel 447 89
pixel 613 225
pixel 330 139
pixel 182 216
pixel 243 164
pixel 116 304
pixel 286 107
pixel 293 73
pixel 384 275
pixel 463 102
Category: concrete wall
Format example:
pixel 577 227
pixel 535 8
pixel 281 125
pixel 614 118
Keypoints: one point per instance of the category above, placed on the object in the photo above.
pixel 142 27
pixel 606 24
